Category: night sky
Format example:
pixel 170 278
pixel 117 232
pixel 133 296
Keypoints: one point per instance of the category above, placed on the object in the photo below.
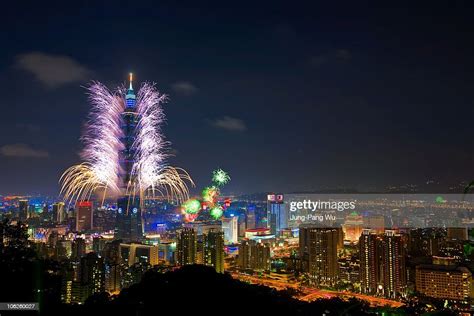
pixel 284 96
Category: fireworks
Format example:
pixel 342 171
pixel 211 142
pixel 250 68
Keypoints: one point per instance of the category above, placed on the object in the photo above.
pixel 210 194
pixel 216 212
pixel 220 177
pixel 209 199
pixel 192 206
pixel 142 171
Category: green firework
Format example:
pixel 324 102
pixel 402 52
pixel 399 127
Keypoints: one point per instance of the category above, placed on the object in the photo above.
pixel 216 212
pixel 220 177
pixel 192 206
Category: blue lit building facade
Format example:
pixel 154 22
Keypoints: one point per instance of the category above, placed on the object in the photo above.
pixel 277 217
pixel 129 224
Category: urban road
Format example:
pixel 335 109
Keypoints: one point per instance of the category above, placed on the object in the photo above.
pixel 309 294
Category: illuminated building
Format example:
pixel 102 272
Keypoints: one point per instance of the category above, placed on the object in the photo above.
pixel 395 277
pixel 353 227
pixel 213 246
pixel 242 225
pixel 59 213
pixel 250 233
pixel 371 273
pixel 84 216
pixel 67 279
pixel 113 278
pixel 447 282
pixel 230 229
pixel 276 213
pixel 318 252
pixel 23 210
pixel 186 247
pixel 139 253
pixel 112 266
pixel 349 270
pixel 129 223
pixel 251 220
pixel 254 255
pixel 202 228
pixel 92 273
pixel 167 251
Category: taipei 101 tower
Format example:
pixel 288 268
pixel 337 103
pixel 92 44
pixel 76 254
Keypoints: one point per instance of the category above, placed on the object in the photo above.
pixel 129 225
pixel 124 156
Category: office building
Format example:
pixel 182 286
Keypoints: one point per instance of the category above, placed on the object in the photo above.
pixel 132 253
pixel 445 282
pixel 230 228
pixel 84 216
pixel 277 217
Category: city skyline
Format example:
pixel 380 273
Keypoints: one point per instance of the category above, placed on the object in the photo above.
pixel 267 158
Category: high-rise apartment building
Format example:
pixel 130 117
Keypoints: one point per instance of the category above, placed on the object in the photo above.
pixel 213 246
pixel 186 247
pixel 318 253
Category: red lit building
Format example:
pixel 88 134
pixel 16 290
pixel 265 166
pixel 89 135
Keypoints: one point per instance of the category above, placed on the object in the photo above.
pixel 84 215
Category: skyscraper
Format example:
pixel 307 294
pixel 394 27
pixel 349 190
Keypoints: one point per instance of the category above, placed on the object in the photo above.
pixel 59 212
pixel 277 216
pixel 254 255
pixel 92 273
pixel 370 273
pixel 395 278
pixel 318 252
pixel 230 228
pixel 84 216
pixel 250 218
pixel 128 221
pixel 186 247
pixel 129 224
pixel 214 249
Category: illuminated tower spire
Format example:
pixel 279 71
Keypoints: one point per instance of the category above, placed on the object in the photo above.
pixel 130 97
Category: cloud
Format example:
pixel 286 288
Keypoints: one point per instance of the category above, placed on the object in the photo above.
pixel 184 88
pixel 230 124
pixel 52 70
pixel 22 150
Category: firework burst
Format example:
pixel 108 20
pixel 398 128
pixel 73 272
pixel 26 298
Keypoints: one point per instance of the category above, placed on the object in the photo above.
pixel 209 199
pixel 104 141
